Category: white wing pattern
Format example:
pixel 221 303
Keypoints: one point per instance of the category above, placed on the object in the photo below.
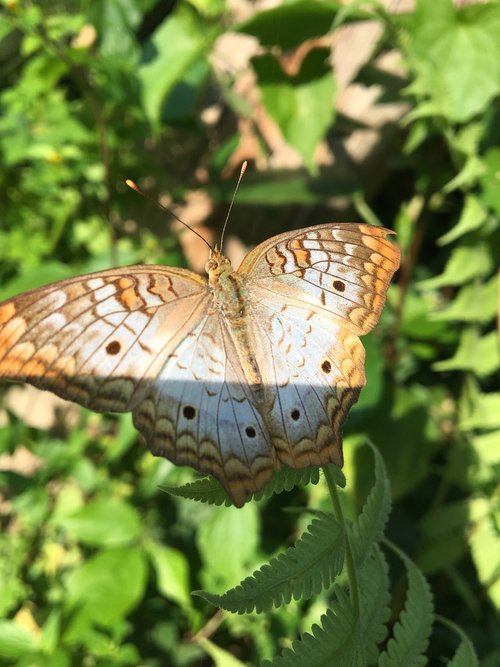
pixel 233 375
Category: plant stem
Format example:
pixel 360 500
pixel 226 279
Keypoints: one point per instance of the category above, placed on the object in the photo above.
pixel 352 575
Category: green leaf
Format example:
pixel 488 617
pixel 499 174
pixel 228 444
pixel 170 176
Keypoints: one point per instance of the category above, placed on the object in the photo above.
pixel 336 641
pixel 475 353
pixel 208 490
pixel 105 588
pixel 302 571
pixel 301 105
pixel 222 527
pixel 485 413
pixel 490 179
pixel 375 603
pixel 485 544
pixel 297 21
pixel 172 573
pixel 220 657
pixel 462 48
pixel 168 56
pixel 107 523
pixel 477 302
pixel 473 216
pixel 412 631
pixel 465 655
pixel 15 640
pixel 465 263
pixel 443 537
pixel 369 527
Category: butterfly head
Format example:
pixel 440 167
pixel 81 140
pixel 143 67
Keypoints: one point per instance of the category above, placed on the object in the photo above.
pixel 218 265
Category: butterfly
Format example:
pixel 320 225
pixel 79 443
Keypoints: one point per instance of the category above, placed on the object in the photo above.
pixel 234 373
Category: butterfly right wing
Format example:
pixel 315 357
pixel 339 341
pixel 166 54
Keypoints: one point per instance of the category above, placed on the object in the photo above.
pixel 100 339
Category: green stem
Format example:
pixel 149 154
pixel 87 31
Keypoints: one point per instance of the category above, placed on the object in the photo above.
pixel 352 575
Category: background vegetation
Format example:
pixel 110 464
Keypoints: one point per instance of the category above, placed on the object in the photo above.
pixel 401 125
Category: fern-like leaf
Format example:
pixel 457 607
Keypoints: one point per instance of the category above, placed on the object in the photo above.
pixel 208 490
pixel 335 642
pixel 411 632
pixel 302 571
pixel 465 655
pixel 369 528
pixel 375 600
pixel 204 490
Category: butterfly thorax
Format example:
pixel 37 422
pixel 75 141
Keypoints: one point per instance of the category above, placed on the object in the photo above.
pixel 231 298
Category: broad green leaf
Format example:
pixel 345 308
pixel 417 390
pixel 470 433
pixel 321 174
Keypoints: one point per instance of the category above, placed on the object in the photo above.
pixel 15 640
pixel 465 263
pixel 462 48
pixel 442 533
pixel 107 523
pixel 485 413
pixel 301 105
pixel 475 353
pixel 115 21
pixel 297 21
pixel 485 545
pixel 223 527
pixel 105 588
pixel 473 217
pixel 220 657
pixel 175 45
pixel 490 179
pixel 476 302
pixel 172 573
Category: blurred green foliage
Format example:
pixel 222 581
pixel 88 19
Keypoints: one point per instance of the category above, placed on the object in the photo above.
pixel 97 564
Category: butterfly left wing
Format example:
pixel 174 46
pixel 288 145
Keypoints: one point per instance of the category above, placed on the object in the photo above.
pixel 99 339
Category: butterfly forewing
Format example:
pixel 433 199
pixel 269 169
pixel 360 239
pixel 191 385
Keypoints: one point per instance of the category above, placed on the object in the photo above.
pixel 99 339
pixel 342 269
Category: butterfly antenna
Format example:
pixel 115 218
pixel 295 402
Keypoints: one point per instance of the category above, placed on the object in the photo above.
pixel 242 171
pixel 135 187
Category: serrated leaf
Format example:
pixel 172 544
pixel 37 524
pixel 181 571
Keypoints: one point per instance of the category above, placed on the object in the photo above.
pixel 375 600
pixel 472 217
pixel 336 641
pixel 302 571
pixel 369 527
pixel 208 490
pixel 204 490
pixel 477 302
pixel 411 632
pixel 465 655
pixel 475 353
pixel 465 263
pixel 301 105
